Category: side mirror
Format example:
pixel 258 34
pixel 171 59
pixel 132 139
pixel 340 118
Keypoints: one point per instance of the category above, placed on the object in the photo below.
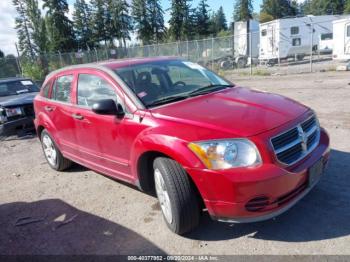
pixel 108 107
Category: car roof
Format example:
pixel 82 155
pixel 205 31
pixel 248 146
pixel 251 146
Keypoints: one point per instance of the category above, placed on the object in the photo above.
pixel 113 64
pixel 13 79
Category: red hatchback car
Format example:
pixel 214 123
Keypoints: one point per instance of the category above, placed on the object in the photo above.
pixel 176 128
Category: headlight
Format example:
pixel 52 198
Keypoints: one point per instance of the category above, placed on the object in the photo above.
pixel 225 154
pixel 15 111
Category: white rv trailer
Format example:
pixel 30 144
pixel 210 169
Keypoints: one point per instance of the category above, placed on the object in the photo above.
pixel 341 36
pixel 291 37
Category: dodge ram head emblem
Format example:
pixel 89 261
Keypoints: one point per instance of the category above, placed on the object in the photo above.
pixel 303 138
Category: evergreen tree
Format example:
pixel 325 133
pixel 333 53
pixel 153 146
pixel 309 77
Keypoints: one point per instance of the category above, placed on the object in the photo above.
pixel 243 10
pixel 82 24
pixel 2 55
pixel 99 21
pixel 326 7
pixel 59 27
pixel 121 20
pixel 156 17
pixel 218 22
pixel 22 21
pixel 275 9
pixel 142 22
pixel 182 20
pixel 347 7
pixel 202 19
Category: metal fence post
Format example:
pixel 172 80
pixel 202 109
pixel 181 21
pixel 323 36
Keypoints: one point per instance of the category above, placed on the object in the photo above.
pixel 60 56
pixel 106 50
pixel 96 54
pixel 250 52
pixel 312 47
pixel 188 51
pixel 212 53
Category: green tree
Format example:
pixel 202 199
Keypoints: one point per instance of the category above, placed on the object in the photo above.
pixel 347 7
pixel 156 17
pixel 275 9
pixel 181 21
pixel 326 7
pixel 82 24
pixel 243 10
pixel 2 54
pixel 23 25
pixel 121 20
pixel 59 27
pixel 218 22
pixel 141 19
pixel 99 19
pixel 202 19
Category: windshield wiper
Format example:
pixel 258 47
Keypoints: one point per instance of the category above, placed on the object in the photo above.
pixel 167 100
pixel 208 89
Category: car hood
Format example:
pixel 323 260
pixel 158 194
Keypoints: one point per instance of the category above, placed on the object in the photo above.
pixel 241 111
pixel 17 100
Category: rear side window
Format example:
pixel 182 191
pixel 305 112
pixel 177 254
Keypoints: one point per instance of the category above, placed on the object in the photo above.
pixel 61 90
pixel 46 89
pixel 92 88
pixel 294 30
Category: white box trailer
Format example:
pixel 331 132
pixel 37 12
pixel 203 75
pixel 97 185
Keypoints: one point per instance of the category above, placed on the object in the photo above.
pixel 291 37
pixel 341 36
pixel 245 48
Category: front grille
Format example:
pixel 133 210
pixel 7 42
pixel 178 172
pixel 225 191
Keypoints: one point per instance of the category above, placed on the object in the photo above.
pixel 294 144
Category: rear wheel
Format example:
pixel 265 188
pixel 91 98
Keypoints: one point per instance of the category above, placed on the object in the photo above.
pixel 52 154
pixel 176 195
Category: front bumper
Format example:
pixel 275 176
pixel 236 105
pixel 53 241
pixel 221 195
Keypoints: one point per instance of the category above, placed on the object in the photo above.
pixel 226 193
pixel 13 126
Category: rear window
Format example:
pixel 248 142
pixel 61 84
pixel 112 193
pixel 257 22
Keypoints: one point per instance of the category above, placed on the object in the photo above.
pixel 296 42
pixel 328 36
pixel 17 87
pixel 61 90
pixel 46 89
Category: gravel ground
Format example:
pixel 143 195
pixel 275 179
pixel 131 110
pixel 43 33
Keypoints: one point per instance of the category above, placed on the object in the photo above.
pixel 82 212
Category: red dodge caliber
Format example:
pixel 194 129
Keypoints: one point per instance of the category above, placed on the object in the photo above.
pixel 175 128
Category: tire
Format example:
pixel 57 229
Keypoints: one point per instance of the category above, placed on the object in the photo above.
pixel 184 205
pixel 57 162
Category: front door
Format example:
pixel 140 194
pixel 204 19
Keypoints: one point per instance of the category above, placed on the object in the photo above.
pixel 100 138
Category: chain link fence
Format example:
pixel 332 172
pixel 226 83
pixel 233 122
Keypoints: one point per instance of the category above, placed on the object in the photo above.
pixel 293 49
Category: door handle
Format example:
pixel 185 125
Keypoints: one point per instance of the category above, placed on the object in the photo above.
pixel 77 116
pixel 48 108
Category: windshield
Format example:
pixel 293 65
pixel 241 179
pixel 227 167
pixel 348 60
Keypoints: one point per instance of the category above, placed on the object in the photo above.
pixel 17 87
pixel 163 82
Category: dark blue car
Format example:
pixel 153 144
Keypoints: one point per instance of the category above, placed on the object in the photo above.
pixel 16 105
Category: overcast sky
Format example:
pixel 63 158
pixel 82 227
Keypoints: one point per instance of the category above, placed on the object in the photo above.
pixel 8 35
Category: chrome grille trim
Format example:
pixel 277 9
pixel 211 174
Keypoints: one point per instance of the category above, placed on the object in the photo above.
pixel 303 144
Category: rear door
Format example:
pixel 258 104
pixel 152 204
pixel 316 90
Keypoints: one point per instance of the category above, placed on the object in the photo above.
pixel 347 39
pixel 59 108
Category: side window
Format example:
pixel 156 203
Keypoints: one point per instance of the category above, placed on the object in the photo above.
pixel 263 32
pixel 348 31
pixel 296 42
pixel 93 88
pixel 61 90
pixel 294 30
pixel 46 89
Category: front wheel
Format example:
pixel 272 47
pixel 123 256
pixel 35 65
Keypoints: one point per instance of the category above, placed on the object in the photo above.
pixel 176 195
pixel 52 154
